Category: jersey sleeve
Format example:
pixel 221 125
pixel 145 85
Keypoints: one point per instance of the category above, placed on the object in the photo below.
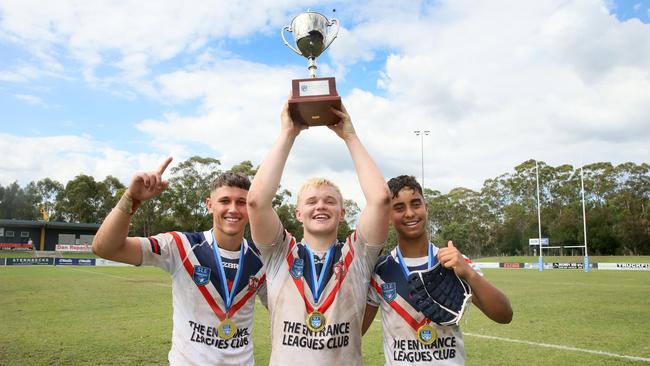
pixel 159 251
pixel 368 252
pixel 373 297
pixel 274 254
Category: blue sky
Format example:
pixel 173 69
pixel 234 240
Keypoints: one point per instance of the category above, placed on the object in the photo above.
pixel 111 88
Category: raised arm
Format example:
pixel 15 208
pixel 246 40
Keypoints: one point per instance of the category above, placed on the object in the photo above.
pixel 373 222
pixel 112 241
pixel 492 302
pixel 263 219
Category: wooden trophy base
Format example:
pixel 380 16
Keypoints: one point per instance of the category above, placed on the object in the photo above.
pixel 311 100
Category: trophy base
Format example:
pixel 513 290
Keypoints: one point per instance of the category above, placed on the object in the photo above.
pixel 311 100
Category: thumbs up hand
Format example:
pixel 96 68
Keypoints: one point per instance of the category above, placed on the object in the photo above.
pixel 451 257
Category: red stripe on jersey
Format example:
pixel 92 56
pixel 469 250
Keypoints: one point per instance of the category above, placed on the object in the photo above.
pixel 332 295
pixel 190 270
pixel 399 309
pixel 330 298
pixel 297 281
pixel 249 293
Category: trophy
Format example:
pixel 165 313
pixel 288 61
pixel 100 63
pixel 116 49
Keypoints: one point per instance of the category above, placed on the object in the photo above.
pixel 312 98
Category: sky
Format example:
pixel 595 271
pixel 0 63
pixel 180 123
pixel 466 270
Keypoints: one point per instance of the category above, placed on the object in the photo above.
pixel 113 87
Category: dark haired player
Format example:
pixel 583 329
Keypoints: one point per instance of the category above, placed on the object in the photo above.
pixel 215 274
pixel 409 337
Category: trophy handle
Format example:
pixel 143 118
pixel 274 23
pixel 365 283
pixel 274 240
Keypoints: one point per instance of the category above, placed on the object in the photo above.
pixel 338 26
pixel 288 28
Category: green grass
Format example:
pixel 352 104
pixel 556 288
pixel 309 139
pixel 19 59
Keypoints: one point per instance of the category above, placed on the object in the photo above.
pixel 122 316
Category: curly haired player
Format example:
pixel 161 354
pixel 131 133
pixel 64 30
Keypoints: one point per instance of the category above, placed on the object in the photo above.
pixel 409 337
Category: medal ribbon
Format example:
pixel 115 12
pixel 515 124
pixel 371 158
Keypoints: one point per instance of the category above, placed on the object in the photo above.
pixel 432 260
pixel 204 290
pixel 318 284
pixel 301 286
pixel 230 294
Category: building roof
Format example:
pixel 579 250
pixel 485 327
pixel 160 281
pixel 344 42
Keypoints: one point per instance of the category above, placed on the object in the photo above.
pixel 49 224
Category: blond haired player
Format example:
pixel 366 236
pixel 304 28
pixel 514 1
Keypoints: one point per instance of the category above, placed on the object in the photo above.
pixel 409 337
pixel 317 286
pixel 215 273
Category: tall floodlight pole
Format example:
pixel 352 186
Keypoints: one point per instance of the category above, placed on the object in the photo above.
pixel 539 221
pixel 422 133
pixel 584 219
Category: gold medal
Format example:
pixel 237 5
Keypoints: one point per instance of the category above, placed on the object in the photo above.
pixel 226 329
pixel 316 321
pixel 427 334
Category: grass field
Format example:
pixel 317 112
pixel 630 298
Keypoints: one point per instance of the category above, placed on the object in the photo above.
pixel 122 316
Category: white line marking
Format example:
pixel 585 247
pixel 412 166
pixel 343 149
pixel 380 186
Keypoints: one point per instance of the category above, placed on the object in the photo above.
pixel 556 346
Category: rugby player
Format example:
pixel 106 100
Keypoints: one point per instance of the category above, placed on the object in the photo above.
pixel 409 337
pixel 215 274
pixel 317 286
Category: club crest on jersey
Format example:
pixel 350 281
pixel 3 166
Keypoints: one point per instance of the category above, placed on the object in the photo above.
pixel 389 291
pixel 253 283
pixel 339 269
pixel 296 268
pixel 201 275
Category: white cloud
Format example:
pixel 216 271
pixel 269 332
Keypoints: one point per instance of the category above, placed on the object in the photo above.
pixel 121 33
pixel 63 157
pixel 496 83
pixel 31 99
pixel 500 83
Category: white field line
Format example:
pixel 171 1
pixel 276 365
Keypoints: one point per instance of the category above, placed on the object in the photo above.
pixel 112 275
pixel 555 346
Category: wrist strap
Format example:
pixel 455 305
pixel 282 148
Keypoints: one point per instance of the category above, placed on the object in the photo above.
pixel 127 204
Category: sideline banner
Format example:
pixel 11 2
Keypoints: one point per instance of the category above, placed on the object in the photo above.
pixel 15 246
pixel 74 261
pixel 625 266
pixel 579 265
pixel 73 248
pixel 482 265
pixel 106 262
pixel 29 261
pixel 2 261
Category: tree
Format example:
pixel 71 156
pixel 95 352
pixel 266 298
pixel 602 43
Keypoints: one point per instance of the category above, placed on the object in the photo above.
pixel 44 194
pixel 189 186
pixel 15 203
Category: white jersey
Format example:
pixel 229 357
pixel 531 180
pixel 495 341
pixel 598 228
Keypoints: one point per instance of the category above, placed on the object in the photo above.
pixel 198 296
pixel 400 319
pixel 342 300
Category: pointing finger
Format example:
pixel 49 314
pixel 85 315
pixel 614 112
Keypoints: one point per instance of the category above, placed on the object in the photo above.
pixel 164 165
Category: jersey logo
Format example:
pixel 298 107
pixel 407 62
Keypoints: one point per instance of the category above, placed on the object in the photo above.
pixel 253 283
pixel 389 291
pixel 201 275
pixel 339 269
pixel 296 268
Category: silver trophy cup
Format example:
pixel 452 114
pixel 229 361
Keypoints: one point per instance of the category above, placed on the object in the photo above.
pixel 312 35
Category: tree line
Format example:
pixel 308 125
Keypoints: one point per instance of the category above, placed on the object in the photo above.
pixel 497 220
